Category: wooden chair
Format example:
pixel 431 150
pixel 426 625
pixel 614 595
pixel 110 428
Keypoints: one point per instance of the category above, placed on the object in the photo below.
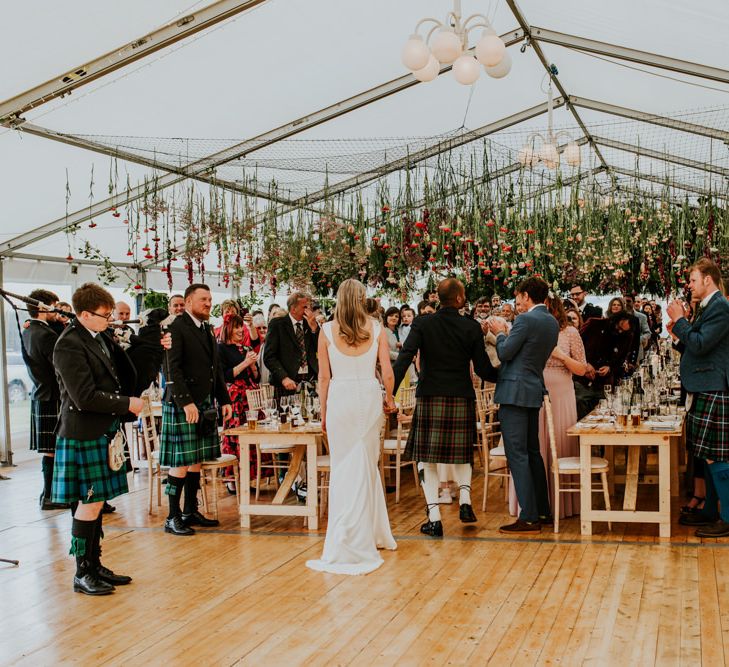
pixel 486 412
pixel 209 474
pixel 150 442
pixel 256 401
pixel 570 465
pixel 394 447
pixel 323 470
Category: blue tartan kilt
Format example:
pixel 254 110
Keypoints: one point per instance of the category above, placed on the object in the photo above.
pixel 43 421
pixel 180 443
pixel 81 471
pixel 707 426
pixel 443 430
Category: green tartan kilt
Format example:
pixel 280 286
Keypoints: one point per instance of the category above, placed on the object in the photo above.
pixel 180 443
pixel 81 471
pixel 707 426
pixel 443 430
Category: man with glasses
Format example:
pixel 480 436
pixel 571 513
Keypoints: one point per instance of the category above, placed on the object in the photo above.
pixel 578 294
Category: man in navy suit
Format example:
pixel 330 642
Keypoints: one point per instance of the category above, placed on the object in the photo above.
pixel 519 393
pixel 705 374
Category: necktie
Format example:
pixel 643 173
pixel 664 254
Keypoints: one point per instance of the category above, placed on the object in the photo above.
pixel 300 341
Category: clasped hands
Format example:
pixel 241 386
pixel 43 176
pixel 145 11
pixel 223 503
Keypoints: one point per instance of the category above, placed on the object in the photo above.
pixel 677 309
pixel 494 325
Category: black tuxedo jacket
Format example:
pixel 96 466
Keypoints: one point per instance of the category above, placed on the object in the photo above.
pixel 448 343
pixel 281 353
pixel 95 389
pixel 38 343
pixel 192 368
pixel 591 311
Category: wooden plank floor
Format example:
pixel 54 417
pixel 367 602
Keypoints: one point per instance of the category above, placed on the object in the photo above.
pixel 229 596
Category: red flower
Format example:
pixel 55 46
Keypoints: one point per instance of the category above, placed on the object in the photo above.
pixel 490 223
pixel 92 224
pixel 503 230
pixel 385 209
pixel 529 231
pixel 420 225
pixel 487 272
pixel 138 286
pixel 130 253
pixel 69 257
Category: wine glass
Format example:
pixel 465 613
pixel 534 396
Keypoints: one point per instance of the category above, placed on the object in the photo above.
pixel 609 397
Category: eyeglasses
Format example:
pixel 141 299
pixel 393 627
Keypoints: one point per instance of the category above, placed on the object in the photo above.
pixel 107 317
pixel 577 293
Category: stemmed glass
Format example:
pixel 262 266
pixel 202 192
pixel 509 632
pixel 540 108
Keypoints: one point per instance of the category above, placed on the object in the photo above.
pixel 609 397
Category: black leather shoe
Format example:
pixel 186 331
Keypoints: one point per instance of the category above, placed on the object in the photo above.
pixel 717 529
pixel 432 528
pixel 466 514
pixel 108 509
pixel 197 519
pixel 176 526
pixel 105 574
pixel 48 505
pixel 90 584
pixel 699 519
pixel 520 526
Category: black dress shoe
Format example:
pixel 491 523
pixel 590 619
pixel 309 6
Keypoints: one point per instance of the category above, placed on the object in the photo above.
pixel 466 514
pixel 717 529
pixel 176 526
pixel 520 526
pixel 432 528
pixel 197 519
pixel 105 574
pixel 90 584
pixel 48 505
pixel 108 509
pixel 699 519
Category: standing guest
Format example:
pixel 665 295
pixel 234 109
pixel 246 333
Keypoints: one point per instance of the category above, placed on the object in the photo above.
pixel 38 341
pixel 407 315
pixel 615 305
pixel 705 374
pixel 520 393
pixel 495 301
pixel 291 345
pixel 241 374
pixel 259 323
pixel 574 318
pixel 578 294
pixel 122 332
pixel 61 321
pixel 608 345
pixel 444 422
pixel 426 308
pixel 654 327
pixel 96 379
pixel 431 296
pixel 507 312
pixel 392 324
pixel 642 333
pixel 230 307
pixel 176 304
pixel 271 309
pixel 274 312
pixel 482 309
pixel 195 383
pixel 372 306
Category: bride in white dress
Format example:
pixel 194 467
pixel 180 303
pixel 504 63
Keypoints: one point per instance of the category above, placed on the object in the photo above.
pixel 352 414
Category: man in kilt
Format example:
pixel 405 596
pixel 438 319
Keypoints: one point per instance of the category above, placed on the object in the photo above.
pixel 96 380
pixel 520 393
pixel 705 375
pixel 38 341
pixel 195 383
pixel 444 422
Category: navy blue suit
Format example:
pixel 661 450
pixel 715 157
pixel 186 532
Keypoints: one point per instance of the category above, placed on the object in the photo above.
pixel 520 393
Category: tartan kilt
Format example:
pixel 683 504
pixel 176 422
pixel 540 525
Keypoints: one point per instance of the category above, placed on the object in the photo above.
pixel 443 430
pixel 43 422
pixel 707 428
pixel 81 471
pixel 179 442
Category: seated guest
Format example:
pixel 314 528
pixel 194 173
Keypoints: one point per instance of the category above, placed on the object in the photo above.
pixel 241 374
pixel 392 322
pixel 608 345
pixel 578 294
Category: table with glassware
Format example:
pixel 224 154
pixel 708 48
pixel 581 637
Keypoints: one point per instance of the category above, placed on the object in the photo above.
pixel 643 412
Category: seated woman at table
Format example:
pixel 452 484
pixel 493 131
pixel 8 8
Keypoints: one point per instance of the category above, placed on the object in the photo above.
pixel 241 374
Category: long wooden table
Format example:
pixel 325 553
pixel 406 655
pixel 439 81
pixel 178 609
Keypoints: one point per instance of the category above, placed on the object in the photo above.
pixel 610 435
pixel 305 441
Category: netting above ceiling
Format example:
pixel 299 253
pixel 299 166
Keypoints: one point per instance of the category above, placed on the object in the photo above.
pixel 303 166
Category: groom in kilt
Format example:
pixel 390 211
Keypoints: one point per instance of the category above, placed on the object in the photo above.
pixel 444 423
pixel 38 341
pixel 705 374
pixel 96 380
pixel 195 383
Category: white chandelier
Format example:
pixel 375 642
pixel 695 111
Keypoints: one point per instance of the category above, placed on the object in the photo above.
pixel 539 148
pixel 446 43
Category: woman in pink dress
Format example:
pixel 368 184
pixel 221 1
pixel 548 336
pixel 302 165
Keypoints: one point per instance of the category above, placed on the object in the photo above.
pixel 568 359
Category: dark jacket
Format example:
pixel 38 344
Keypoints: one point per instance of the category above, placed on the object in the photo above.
pixel 704 342
pixel 523 355
pixel 230 357
pixel 447 343
pixel 591 311
pixel 192 367
pixel 281 353
pixel 95 389
pixel 606 346
pixel 38 343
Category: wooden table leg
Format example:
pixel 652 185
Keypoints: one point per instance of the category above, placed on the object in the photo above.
pixel 664 490
pixel 631 478
pixel 610 457
pixel 296 458
pixel 244 489
pixel 585 487
pixel 312 484
pixel 674 445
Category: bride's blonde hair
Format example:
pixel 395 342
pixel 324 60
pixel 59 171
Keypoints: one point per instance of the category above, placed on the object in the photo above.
pixel 351 314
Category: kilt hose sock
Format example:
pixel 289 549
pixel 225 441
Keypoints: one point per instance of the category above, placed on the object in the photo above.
pixel 430 485
pixel 192 486
pixel 47 468
pixel 82 544
pixel 464 472
pixel 173 492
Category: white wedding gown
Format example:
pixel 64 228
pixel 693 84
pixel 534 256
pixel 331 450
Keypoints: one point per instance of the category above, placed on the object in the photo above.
pixel 358 522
